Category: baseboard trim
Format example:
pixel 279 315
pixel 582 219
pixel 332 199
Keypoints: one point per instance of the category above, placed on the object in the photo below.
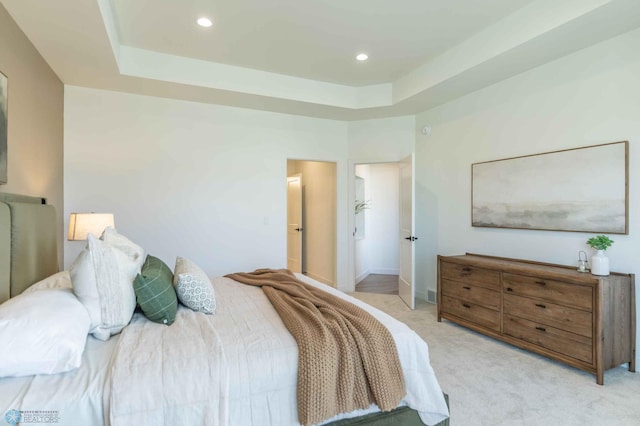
pixel 362 276
pixel 421 295
pixel 385 271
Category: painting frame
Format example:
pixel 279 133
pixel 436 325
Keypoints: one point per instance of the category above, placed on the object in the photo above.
pixel 4 126
pixel 584 189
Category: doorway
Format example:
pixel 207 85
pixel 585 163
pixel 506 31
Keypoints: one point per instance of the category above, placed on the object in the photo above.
pixel 312 219
pixel 377 226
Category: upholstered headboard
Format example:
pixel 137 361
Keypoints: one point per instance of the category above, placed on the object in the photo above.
pixel 28 247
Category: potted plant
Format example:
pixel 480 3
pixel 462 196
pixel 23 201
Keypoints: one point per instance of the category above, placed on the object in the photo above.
pixel 362 206
pixel 599 261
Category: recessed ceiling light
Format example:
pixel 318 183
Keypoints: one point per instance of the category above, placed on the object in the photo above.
pixel 362 57
pixel 205 22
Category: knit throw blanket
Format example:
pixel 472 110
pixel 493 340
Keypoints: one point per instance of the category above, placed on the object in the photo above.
pixel 347 359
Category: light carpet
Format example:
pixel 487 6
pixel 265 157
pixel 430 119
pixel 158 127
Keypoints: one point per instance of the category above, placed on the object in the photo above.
pixel 493 383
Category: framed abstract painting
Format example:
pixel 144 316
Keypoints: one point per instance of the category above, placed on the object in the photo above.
pixel 579 190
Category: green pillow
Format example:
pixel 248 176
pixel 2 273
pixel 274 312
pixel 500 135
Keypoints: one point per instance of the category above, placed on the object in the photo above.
pixel 154 291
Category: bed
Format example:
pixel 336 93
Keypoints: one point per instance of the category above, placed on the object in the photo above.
pixel 251 381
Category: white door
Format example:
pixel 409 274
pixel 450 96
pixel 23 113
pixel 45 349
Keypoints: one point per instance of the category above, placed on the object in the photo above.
pixel 294 223
pixel 407 221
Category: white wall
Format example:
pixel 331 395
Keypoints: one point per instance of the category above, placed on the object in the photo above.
pixel 587 98
pixel 375 141
pixel 383 220
pixel 361 260
pixel 381 140
pixel 201 181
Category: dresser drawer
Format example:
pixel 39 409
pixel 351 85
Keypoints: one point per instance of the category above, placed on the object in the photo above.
pixel 579 296
pixel 471 312
pixel 548 313
pixel 472 293
pixel 579 319
pixel 471 275
pixel 563 342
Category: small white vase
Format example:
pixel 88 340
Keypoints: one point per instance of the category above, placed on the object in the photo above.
pixel 600 264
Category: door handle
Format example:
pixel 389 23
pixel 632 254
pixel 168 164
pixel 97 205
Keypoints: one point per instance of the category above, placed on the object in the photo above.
pixel 298 229
pixel 411 238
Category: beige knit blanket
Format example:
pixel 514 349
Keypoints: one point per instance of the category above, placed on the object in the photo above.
pixel 347 358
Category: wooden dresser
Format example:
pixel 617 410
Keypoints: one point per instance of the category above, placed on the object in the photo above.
pixel 576 318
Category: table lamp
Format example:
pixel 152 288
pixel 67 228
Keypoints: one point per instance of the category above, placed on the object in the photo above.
pixel 82 224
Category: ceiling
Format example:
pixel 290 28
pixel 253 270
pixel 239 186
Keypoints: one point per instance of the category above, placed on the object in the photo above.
pixel 298 57
pixel 315 40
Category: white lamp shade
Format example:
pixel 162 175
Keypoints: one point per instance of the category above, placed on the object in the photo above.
pixel 82 224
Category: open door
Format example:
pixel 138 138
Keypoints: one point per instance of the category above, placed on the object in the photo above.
pixel 406 288
pixel 294 223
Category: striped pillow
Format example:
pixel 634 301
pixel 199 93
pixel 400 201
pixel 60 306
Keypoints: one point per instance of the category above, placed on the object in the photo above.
pixel 154 291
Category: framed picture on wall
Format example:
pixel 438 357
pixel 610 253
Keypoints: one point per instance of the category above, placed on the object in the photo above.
pixel 4 124
pixel 579 190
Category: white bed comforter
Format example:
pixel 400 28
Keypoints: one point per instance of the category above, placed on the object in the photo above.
pixel 78 397
pixel 242 358
pixel 170 375
pixel 261 370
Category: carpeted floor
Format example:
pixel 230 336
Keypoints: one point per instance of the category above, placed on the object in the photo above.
pixel 492 383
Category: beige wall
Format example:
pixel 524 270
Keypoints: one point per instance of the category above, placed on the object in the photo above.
pixel 319 218
pixel 35 128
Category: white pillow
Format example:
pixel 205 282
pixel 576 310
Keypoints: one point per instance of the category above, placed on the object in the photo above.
pixel 58 280
pixel 42 332
pixel 102 278
pixel 122 243
pixel 193 287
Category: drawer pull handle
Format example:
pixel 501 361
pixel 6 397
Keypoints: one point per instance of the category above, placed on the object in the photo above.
pixel 466 306
pixel 540 305
pixel 465 271
pixel 541 328
pixel 466 287
pixel 509 289
pixel 541 283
